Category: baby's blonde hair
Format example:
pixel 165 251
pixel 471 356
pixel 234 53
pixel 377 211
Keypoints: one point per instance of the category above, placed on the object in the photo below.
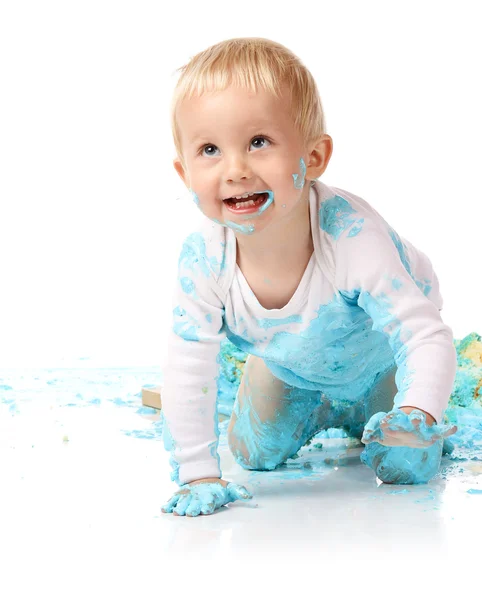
pixel 252 63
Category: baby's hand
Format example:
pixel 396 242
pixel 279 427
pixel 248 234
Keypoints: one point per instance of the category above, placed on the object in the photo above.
pixel 398 428
pixel 204 497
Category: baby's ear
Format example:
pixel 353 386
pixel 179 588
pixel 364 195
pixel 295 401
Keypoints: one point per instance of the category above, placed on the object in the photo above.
pixel 180 170
pixel 320 156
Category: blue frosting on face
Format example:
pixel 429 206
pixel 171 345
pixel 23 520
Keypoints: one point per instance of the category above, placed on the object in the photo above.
pixel 298 181
pixel 194 197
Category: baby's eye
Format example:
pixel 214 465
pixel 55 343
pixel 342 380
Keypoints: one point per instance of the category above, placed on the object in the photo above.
pixel 208 146
pixel 260 137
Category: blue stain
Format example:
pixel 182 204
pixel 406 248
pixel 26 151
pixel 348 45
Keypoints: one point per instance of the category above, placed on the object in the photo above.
pixel 119 402
pixel 170 446
pixel 231 369
pixel 187 285
pixel 402 251
pixel 246 229
pixel 262 439
pixel 193 257
pixel 338 345
pixel 267 323
pixel 209 318
pixel 335 217
pixel 146 410
pixel 298 181
pixel 474 491
pixel 187 328
pixel 425 284
pixel 355 230
pixel 403 465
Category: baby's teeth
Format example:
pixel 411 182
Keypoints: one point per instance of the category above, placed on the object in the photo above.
pixel 248 203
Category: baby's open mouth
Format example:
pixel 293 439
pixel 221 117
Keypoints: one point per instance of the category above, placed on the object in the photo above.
pixel 249 203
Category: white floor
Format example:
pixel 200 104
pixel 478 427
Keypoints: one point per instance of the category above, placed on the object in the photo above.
pixel 81 518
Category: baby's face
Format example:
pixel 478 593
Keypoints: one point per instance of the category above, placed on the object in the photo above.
pixel 235 142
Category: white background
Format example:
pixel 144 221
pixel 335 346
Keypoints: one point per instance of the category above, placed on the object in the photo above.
pixel 92 213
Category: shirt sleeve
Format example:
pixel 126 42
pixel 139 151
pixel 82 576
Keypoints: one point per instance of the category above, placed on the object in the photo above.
pixel 396 286
pixel 190 427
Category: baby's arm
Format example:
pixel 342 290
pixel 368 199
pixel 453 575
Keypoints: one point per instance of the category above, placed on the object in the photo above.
pixel 190 428
pixel 371 269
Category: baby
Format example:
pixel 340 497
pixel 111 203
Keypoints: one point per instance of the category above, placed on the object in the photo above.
pixel 339 315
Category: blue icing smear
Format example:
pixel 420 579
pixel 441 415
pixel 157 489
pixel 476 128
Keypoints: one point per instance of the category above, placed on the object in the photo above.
pixel 193 256
pixel 425 284
pixel 246 229
pixel 194 197
pixel 356 228
pixel 400 246
pixel 267 323
pixel 384 321
pixel 185 326
pixel 170 446
pixel 263 207
pixel 231 361
pixel 335 217
pixel 320 356
pixel 298 181
pixel 187 285
pixel 401 464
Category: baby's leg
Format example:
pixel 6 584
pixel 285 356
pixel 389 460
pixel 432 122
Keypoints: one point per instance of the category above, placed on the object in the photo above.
pixel 397 464
pixel 271 420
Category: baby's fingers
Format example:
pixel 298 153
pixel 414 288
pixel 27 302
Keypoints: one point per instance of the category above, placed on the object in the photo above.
pixel 372 432
pixel 208 507
pixel 194 509
pixel 167 508
pixel 182 505
pixel 238 492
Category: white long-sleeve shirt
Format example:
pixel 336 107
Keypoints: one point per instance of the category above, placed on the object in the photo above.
pixel 368 299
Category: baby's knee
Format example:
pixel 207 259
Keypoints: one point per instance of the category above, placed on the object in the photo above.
pixel 402 465
pixel 257 453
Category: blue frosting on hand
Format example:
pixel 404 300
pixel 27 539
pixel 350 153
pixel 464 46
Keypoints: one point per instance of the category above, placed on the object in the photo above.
pixel 397 425
pixel 394 463
pixel 403 465
pixel 204 498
